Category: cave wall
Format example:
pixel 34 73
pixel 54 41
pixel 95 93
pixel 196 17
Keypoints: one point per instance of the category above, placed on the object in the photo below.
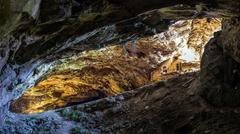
pixel 42 29
pixel 35 32
pixel 220 66
pixel 4 11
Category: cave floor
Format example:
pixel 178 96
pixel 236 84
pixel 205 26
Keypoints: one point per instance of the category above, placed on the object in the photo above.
pixel 167 107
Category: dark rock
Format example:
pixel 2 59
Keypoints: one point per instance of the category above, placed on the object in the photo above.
pixel 220 67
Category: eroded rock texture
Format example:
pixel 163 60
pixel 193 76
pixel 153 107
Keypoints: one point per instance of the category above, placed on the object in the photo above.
pixel 96 74
pixel 220 70
pixel 34 33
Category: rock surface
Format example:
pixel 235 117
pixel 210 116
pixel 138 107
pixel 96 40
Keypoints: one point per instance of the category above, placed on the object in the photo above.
pixel 96 74
pixel 32 36
pixel 220 67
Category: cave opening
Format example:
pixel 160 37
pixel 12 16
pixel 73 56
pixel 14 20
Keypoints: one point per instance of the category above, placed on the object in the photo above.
pixel 112 70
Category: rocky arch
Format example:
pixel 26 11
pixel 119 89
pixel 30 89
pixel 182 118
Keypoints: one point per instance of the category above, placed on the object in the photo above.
pixel 26 38
pixel 220 62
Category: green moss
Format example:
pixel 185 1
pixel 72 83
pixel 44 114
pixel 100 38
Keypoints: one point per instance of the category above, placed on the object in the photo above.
pixel 34 119
pixel 76 130
pixel 71 115
pixel 63 112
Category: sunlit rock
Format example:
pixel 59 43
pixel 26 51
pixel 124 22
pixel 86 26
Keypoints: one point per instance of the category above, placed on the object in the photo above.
pixel 46 63
pixel 112 70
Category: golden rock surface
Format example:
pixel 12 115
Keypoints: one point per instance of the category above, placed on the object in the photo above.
pixel 99 73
